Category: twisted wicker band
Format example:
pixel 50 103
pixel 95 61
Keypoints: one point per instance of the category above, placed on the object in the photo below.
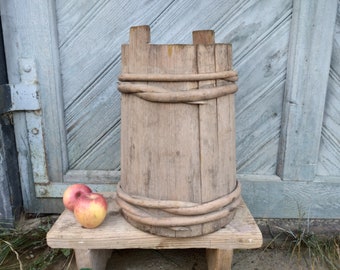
pixel 160 94
pixel 183 213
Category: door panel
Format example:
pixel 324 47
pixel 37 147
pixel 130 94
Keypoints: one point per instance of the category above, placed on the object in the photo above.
pixel 76 46
pixel 85 54
pixel 90 69
pixel 329 157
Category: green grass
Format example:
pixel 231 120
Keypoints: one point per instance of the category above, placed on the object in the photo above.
pixel 26 248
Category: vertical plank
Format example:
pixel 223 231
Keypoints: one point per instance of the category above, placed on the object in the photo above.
pixel 217 128
pixel 217 121
pixel 203 37
pixel 209 166
pixel 175 170
pixel 95 259
pixel 10 192
pixel 175 125
pixel 307 75
pixel 134 60
pixel 226 123
pixel 204 41
pixel 219 259
pixel 329 157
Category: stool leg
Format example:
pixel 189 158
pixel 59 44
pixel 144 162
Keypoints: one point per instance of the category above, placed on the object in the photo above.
pixel 219 259
pixel 94 259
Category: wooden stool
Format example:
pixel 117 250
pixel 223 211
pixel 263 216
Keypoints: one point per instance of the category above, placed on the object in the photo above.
pixel 93 246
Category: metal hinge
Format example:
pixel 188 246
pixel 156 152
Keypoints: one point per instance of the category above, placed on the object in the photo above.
pixel 23 96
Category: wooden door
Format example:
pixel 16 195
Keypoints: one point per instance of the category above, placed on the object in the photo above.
pixel 286 107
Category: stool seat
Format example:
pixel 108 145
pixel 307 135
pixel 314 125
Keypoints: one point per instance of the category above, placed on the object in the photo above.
pixel 93 246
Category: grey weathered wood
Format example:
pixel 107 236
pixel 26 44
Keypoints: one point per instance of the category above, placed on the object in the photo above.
pixel 34 122
pixel 36 37
pixel 92 250
pixel 116 233
pixel 93 100
pixel 10 195
pixel 306 85
pixel 271 31
pixel 77 33
pixel 269 196
pixel 94 259
pixel 329 157
pixel 88 48
pixel 6 206
pixel 260 57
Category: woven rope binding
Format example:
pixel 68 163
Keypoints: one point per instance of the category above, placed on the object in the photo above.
pixel 160 94
pixel 182 213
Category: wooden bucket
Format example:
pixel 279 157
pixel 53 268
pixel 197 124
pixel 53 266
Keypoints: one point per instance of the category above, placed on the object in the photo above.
pixel 178 171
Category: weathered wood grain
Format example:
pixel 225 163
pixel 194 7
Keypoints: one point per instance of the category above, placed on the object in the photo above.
pixel 77 36
pixel 10 190
pixel 35 36
pixel 116 233
pixel 176 151
pixel 93 250
pixel 95 259
pixel 267 32
pixel 226 130
pixel 259 103
pixel 265 195
pixel 216 124
pixel 307 72
pixel 219 259
pixel 90 70
pixel 270 197
pixel 88 37
pixel 208 122
pixel 329 156
pixel 160 142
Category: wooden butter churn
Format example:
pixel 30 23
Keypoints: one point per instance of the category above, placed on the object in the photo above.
pixel 178 164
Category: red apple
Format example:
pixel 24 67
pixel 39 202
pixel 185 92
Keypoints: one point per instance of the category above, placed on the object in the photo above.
pixel 72 193
pixel 90 210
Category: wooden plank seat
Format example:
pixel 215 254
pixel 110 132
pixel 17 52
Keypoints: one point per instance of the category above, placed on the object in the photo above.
pixel 93 246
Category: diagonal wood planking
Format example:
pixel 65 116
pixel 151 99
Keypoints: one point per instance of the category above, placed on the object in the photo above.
pixel 260 56
pixel 90 36
pixel 329 156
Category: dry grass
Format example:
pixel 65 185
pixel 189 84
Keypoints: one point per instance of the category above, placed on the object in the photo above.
pixel 25 247
pixel 316 250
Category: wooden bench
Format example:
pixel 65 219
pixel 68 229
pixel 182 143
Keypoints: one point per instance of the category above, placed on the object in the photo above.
pixel 93 246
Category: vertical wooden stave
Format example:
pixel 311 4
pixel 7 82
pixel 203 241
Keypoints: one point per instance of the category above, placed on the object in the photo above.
pixel 217 130
pixel 134 60
pixel 176 145
pixel 205 46
pixel 226 123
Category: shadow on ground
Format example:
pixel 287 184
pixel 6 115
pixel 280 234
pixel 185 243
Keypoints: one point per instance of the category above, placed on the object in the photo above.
pixel 194 259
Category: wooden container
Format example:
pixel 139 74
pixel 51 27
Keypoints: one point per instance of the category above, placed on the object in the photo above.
pixel 178 171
